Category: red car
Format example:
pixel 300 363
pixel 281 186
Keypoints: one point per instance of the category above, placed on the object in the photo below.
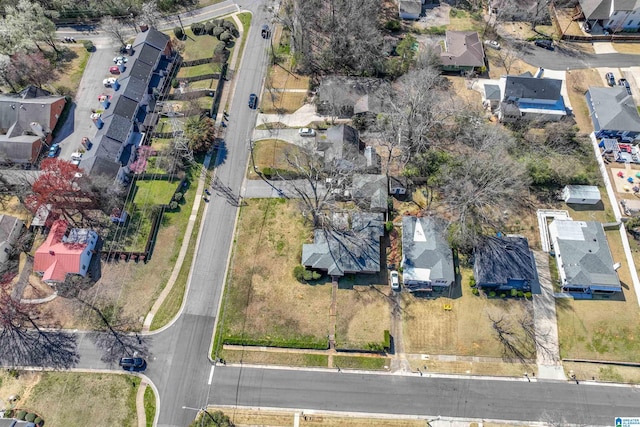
pixel 114 70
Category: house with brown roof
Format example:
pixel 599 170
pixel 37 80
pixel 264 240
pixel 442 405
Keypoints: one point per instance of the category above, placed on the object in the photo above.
pixel 462 51
pixel 26 122
pixel 66 251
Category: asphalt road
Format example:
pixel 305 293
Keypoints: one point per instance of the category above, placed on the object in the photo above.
pixel 578 404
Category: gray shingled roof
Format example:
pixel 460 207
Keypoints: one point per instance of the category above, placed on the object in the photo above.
pixel 615 109
pixel 596 9
pixel 133 88
pixel 426 254
pixel 342 146
pixel 7 224
pixel 583 253
pixel 354 249
pixel 499 259
pixel 492 92
pixel 139 70
pixel 148 54
pixel 101 160
pixel 370 191
pixel 125 107
pixel 517 87
pixel 152 37
pixel 463 49
pixel 117 127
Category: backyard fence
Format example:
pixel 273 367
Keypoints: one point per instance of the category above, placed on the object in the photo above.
pixel 199 77
pixel 190 95
pixel 200 61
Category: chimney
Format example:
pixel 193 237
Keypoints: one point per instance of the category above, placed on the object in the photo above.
pixel 52 253
pixel 616 266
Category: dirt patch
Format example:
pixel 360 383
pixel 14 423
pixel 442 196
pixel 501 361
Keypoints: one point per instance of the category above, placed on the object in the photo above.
pixel 632 48
pixel 36 288
pixel 265 301
pixel 21 386
pixel 275 102
pixel 282 77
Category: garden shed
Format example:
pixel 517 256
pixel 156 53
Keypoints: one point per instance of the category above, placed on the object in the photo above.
pixel 581 194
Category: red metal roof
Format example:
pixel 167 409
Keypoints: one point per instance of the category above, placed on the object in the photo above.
pixel 55 258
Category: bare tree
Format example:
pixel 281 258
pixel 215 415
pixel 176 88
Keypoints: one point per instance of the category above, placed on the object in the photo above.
pixel 115 29
pixel 506 58
pixel 24 343
pixel 150 13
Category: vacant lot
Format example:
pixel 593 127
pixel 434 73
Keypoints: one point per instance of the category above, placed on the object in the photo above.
pixel 602 372
pixel 602 329
pixel 282 102
pixel 265 303
pixel 73 399
pixel 272 153
pixel 362 315
pixel 464 330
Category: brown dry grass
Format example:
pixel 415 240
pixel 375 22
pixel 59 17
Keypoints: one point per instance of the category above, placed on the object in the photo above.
pixel 468 95
pixel 272 153
pixel 595 329
pixel 464 330
pixel 275 358
pixel 503 369
pixel 601 212
pixel 566 24
pixel 282 102
pixel 281 77
pixel 632 48
pixel 362 315
pixel 12 206
pixel 601 372
pixel 496 70
pixel 21 386
pixel 265 300
pixel 578 81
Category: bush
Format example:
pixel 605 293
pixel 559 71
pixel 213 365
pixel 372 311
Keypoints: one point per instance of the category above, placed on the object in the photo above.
pixel 197 28
pixel 492 294
pixel 88 44
pixel 8 413
pixel 20 415
pixel 229 25
pixel 13 373
pixel 175 83
pixel 472 281
pixel 30 417
pixel 375 346
pixel 388 226
pixel 39 421
pixel 217 31
pixel 527 295
pixel 475 291
pixel 225 37
pixel 503 295
pixel 514 292
pixel 436 31
pixel 178 196
pixel 298 272
pixel 387 340
pixel 173 205
pixel 393 25
pixel 520 294
pixel 310 275
pixel 208 27
pixel 178 33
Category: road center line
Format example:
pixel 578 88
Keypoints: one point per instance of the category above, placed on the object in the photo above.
pixel 211 374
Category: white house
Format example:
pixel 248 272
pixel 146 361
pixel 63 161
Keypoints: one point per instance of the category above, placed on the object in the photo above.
pixel 530 98
pixel 581 194
pixel 615 15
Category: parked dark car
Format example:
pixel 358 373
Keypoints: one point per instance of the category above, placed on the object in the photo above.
pixel 253 101
pixel 625 83
pixel 547 44
pixel 266 32
pixel 611 79
pixel 133 363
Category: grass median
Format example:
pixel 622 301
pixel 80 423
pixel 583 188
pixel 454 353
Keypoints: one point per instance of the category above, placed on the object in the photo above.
pixel 149 405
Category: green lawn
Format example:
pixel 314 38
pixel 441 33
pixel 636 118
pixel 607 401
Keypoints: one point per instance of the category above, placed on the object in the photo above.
pixel 197 47
pixel 74 399
pixel 199 70
pixel 358 362
pixel 154 192
pixel 149 405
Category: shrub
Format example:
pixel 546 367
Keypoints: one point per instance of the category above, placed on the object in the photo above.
pixel 375 346
pixel 472 281
pixel 436 31
pixel 520 294
pixel 514 292
pixel 527 295
pixel 175 83
pixel 173 205
pixel 387 340
pixel 208 27
pixel 225 37
pixel 229 25
pixel 30 417
pixel 310 275
pixel 88 44
pixel 197 28
pixel 267 171
pixel 492 294
pixel 475 291
pixel 393 25
pixel 8 413
pixel 177 196
pixel 178 33
pixel 20 415
pixel 388 226
pixel 503 295
pixel 298 272
pixel 217 31
pixel 13 373
pixel 39 421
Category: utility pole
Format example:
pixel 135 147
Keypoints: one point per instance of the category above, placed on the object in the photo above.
pixel 181 26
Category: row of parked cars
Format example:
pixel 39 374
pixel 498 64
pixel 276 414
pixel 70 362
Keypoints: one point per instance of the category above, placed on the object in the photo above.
pixel 611 81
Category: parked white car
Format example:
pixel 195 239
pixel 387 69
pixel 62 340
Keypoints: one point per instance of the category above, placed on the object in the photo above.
pixel 492 43
pixel 307 132
pixel 75 158
pixel 394 280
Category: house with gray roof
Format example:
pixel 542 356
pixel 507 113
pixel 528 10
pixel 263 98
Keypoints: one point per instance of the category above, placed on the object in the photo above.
pixel 342 96
pixel 10 230
pixel 616 15
pixel 350 246
pixel 491 96
pixel 370 192
pixel 124 124
pixel 410 9
pixel 585 263
pixel 463 51
pixel 27 120
pixel 613 113
pixel 427 259
pixel 530 98
pixel 503 263
pixel 342 148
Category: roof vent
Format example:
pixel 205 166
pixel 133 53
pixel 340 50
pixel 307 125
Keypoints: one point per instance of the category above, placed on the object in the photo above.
pixel 52 253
